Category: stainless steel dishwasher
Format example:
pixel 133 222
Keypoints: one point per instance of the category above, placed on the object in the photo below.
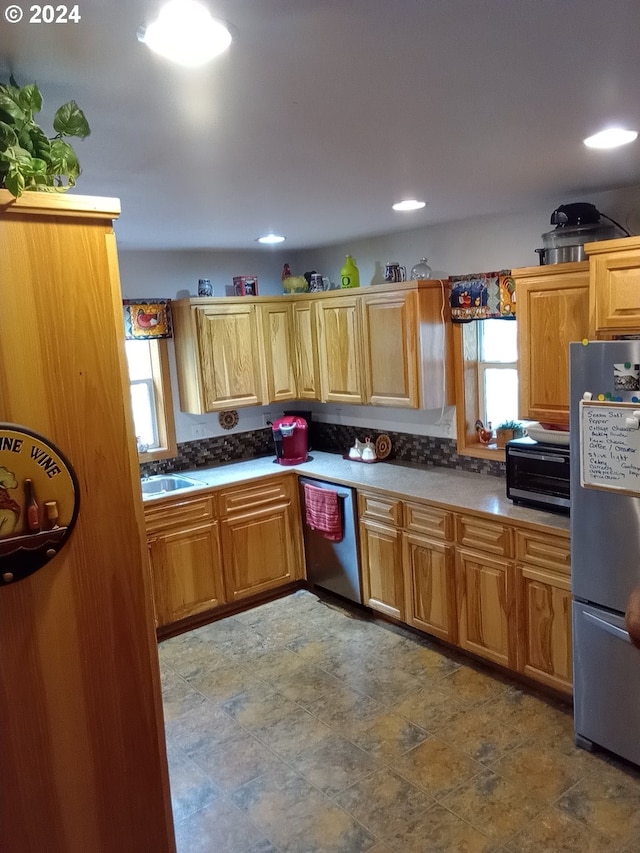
pixel 333 566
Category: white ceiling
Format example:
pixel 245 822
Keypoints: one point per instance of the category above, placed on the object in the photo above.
pixel 325 112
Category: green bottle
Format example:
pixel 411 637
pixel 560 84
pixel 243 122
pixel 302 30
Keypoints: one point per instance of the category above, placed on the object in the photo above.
pixel 349 275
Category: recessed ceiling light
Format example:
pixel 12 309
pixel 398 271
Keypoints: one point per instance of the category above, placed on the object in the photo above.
pixel 185 33
pixel 409 204
pixel 270 238
pixel 611 138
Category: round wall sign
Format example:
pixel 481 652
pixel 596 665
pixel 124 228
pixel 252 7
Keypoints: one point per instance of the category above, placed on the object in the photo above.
pixel 38 502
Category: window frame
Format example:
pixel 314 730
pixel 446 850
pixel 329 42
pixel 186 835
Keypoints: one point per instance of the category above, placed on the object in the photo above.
pixel 161 379
pixel 484 365
pixel 467 389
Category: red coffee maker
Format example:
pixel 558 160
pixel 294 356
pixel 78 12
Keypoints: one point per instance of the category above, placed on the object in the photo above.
pixel 290 436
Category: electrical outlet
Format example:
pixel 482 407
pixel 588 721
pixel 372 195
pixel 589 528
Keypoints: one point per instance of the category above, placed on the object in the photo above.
pixel 199 431
pixel 267 418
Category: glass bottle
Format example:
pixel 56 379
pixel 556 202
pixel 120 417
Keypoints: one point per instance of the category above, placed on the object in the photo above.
pixel 349 274
pixel 32 510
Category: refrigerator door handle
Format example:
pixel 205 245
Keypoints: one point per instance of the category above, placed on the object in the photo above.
pixel 620 633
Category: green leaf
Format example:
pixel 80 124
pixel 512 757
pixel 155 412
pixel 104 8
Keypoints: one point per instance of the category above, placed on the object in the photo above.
pixel 62 157
pixel 29 98
pixel 35 167
pixel 16 156
pixel 69 120
pixel 9 104
pixel 14 182
pixel 40 143
pixel 25 141
pixel 7 135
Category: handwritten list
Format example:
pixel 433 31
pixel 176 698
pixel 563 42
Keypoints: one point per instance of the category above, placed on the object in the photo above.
pixel 610 447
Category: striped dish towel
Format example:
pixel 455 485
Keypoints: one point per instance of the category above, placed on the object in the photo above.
pixel 322 512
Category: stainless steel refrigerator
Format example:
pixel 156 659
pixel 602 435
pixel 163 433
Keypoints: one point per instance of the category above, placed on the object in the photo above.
pixel 605 544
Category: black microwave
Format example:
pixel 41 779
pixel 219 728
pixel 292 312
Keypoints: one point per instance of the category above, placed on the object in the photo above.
pixel 538 475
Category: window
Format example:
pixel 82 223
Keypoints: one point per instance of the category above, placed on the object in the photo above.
pixel 151 402
pixel 486 376
pixel 497 371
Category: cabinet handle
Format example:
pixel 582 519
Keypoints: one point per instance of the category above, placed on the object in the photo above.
pixel 619 633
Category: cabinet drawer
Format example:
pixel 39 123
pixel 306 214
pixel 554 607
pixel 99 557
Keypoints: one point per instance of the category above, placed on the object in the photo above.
pixel 484 535
pixel 178 513
pixel 380 507
pixel 544 550
pixel 240 500
pixel 434 522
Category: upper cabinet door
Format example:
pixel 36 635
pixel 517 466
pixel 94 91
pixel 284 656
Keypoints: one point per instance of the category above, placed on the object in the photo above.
pixel 304 334
pixel 229 353
pixel 277 331
pixel 391 349
pixel 339 328
pixel 552 311
pixel 615 286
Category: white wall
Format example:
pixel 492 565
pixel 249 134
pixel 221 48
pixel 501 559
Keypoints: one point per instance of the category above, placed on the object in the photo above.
pixel 471 245
pixel 456 248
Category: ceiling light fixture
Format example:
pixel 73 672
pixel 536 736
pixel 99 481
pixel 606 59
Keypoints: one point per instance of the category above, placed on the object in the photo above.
pixel 612 137
pixel 270 238
pixel 185 33
pixel 409 204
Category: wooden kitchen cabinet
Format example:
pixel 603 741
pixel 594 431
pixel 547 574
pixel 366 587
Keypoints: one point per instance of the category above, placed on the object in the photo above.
pixel 497 590
pixel 306 350
pixel 186 571
pixel 387 345
pixel 614 286
pixel 485 591
pixel 261 536
pixel 185 558
pixel 391 349
pixel 381 553
pixel 339 337
pixel 552 311
pixel 486 606
pixel 219 354
pixel 223 545
pixel 429 570
pixel 406 346
pixel 544 608
pixel 279 351
pixel 80 699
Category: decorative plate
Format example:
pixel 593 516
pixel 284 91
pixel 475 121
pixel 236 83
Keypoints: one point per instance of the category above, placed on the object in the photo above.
pixel 383 446
pixel 228 420
pixel 547 436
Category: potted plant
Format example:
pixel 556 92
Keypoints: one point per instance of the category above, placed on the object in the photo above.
pixel 507 430
pixel 29 159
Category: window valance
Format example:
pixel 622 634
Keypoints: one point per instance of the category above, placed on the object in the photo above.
pixel 483 296
pixel 146 319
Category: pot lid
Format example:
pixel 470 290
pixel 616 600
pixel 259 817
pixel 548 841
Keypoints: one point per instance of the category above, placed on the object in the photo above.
pixel 576 235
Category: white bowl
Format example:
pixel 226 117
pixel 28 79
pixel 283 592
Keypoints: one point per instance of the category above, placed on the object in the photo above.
pixel 547 436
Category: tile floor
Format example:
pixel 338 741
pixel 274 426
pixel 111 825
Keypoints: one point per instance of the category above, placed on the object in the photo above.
pixel 300 726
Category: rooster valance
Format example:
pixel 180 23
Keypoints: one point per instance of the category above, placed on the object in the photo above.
pixel 483 296
pixel 147 318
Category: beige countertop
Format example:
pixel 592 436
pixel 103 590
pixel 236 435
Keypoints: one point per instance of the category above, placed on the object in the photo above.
pixel 446 487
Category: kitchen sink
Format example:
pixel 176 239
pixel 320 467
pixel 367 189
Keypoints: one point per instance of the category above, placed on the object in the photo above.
pixel 160 483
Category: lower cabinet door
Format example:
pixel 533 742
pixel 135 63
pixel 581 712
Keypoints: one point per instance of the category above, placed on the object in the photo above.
pixel 186 569
pixel 544 639
pixel 382 576
pixel 260 550
pixel 486 606
pixel 429 583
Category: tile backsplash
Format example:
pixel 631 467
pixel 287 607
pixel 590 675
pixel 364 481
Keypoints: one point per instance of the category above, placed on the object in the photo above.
pixel 333 438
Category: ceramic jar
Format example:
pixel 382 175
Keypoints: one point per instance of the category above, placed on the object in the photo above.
pixel 395 272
